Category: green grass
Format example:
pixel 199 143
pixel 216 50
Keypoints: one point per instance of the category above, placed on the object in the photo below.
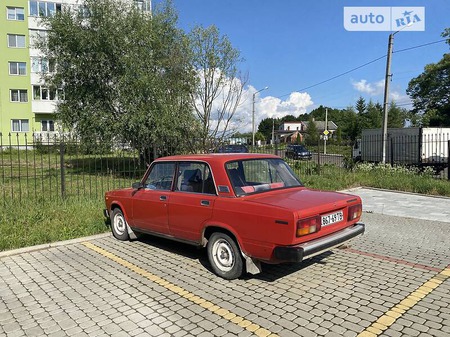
pixel 36 223
pixel 29 217
pixel 397 179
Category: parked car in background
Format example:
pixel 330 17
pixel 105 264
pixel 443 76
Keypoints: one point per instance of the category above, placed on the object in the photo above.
pixel 233 148
pixel 244 208
pixel 298 152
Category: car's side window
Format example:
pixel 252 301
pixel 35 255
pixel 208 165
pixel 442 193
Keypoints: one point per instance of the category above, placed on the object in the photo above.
pixel 195 177
pixel 161 176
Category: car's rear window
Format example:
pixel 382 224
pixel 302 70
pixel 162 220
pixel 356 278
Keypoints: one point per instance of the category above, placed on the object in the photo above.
pixel 258 175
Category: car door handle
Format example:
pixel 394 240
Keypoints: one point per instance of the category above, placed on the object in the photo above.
pixel 163 198
pixel 204 202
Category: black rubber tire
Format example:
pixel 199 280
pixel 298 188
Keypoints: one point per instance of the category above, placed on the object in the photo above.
pixel 119 225
pixel 225 256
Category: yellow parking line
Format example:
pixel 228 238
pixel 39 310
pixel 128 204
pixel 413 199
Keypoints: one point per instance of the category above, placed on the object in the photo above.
pixel 226 314
pixel 411 300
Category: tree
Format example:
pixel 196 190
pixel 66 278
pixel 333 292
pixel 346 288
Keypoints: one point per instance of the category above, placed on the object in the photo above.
pixel 288 118
pixel 342 118
pixel 430 91
pixel 260 136
pixel 361 105
pixel 126 76
pixel 396 116
pixel 266 125
pixel 312 133
pixel 374 115
pixel 339 136
pixel 350 129
pixel 220 84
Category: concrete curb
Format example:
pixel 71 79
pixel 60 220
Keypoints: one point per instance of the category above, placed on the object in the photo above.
pixel 349 190
pixel 30 249
pixel 402 192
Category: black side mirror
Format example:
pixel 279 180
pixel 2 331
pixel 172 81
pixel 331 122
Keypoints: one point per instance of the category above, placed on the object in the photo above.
pixel 137 186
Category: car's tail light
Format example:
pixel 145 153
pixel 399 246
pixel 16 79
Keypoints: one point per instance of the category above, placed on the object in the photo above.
pixel 354 212
pixel 308 226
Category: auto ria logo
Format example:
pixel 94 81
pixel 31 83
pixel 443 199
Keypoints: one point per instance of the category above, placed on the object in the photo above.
pixel 384 18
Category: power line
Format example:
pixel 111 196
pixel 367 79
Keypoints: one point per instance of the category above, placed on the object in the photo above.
pixel 334 77
pixel 363 65
pixel 419 46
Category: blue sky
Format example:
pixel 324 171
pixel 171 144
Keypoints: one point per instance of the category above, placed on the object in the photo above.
pixel 290 45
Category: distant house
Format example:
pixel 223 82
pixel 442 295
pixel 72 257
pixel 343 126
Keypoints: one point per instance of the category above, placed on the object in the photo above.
pixel 291 132
pixel 332 127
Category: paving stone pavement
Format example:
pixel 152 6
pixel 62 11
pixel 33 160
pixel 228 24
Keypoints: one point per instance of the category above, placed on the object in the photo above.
pixel 406 205
pixel 393 281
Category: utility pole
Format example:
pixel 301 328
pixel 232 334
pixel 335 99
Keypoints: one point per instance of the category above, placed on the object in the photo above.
pixel 273 131
pixel 253 115
pixel 325 133
pixel 386 96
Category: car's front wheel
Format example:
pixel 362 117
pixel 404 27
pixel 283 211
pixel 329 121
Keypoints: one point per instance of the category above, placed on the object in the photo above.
pixel 119 225
pixel 225 256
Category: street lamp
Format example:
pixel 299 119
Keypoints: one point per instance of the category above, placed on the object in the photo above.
pixel 253 115
pixel 386 91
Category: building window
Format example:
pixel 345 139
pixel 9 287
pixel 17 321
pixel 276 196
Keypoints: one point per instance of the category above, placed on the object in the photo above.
pixel 42 65
pixel 19 95
pixel 41 93
pixel 17 68
pixel 143 5
pixel 47 125
pixel 16 41
pixel 20 125
pixel 44 8
pixel 36 36
pixel 16 13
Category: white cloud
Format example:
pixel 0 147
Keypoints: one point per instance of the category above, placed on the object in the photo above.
pixel 372 89
pixel 269 107
pixel 377 88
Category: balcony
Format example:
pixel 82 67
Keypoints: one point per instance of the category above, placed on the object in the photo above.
pixel 43 107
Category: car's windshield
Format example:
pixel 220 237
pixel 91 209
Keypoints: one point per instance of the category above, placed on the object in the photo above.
pixel 257 175
pixel 299 148
pixel 232 149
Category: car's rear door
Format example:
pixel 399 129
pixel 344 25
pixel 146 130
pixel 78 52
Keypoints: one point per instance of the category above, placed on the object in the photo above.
pixel 191 203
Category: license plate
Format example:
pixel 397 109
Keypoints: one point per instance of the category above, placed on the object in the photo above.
pixel 332 218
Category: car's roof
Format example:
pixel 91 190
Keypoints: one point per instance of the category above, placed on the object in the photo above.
pixel 218 157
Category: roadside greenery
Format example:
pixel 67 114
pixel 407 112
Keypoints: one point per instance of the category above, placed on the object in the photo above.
pixel 430 92
pixel 131 77
pixel 126 76
pixel 397 178
pixel 43 221
pixel 36 223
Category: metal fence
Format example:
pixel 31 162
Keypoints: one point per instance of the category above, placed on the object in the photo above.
pixel 420 150
pixel 58 167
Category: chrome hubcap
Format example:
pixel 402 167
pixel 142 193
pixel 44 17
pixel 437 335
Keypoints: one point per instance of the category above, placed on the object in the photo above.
pixel 223 255
pixel 119 224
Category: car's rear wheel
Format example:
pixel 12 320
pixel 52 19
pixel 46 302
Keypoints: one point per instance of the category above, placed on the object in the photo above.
pixel 225 256
pixel 119 225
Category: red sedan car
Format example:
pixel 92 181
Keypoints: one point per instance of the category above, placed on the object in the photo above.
pixel 244 208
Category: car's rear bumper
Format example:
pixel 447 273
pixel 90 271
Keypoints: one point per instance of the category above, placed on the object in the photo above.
pixel 305 250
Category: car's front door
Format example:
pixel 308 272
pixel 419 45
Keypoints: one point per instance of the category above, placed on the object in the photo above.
pixel 192 201
pixel 150 204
